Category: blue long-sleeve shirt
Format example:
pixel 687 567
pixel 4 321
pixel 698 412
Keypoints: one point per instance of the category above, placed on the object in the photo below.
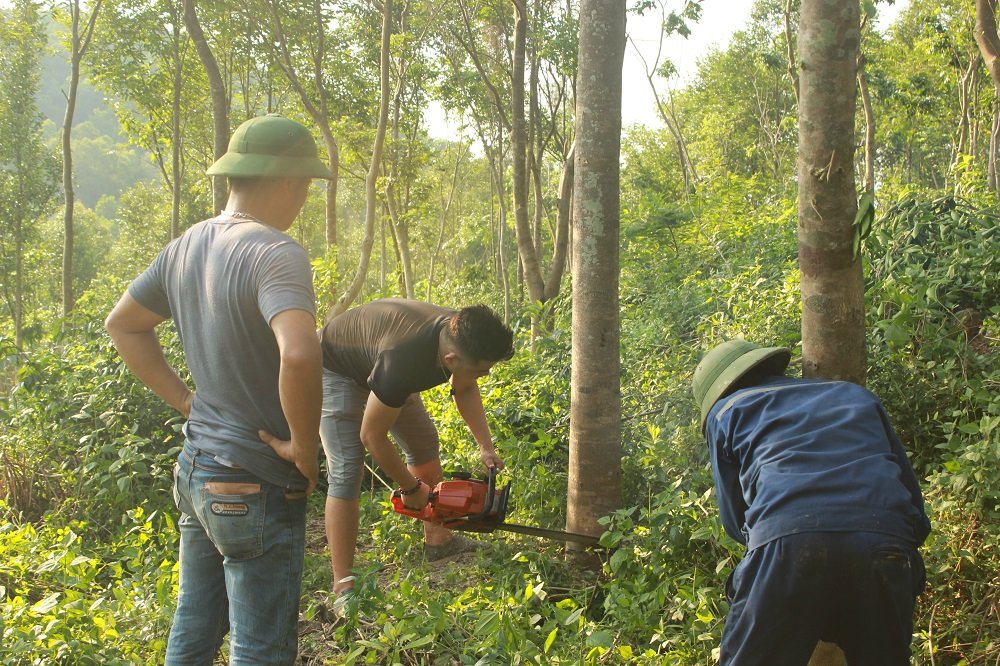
pixel 799 455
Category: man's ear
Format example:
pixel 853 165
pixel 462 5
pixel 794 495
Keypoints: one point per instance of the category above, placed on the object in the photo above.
pixel 450 358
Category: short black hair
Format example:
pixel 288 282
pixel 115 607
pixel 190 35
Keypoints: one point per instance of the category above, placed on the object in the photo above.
pixel 480 335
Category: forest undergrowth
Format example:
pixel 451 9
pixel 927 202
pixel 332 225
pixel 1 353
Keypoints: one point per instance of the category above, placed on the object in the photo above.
pixel 88 537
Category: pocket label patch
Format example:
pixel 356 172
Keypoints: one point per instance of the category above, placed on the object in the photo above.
pixel 230 508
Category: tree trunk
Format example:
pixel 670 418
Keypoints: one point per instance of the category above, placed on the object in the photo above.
pixel 833 322
pixel 79 45
pixel 519 148
pixel 991 158
pixel 220 101
pixel 793 70
pixel 989 47
pixel 175 136
pixel 18 283
pixel 371 200
pixel 319 113
pixel 595 402
pixel 400 225
pixel 866 105
pixel 445 209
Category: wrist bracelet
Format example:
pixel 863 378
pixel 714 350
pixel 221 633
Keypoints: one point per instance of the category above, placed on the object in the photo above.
pixel 411 490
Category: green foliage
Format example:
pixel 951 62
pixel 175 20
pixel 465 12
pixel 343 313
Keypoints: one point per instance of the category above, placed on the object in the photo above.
pixel 67 599
pixel 79 433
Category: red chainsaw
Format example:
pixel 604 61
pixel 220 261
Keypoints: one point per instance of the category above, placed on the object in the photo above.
pixel 477 505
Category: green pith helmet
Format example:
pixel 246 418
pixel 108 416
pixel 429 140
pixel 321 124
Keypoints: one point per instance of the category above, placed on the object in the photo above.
pixel 726 364
pixel 271 146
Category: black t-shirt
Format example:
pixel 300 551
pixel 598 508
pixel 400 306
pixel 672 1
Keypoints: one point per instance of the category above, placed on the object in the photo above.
pixel 389 346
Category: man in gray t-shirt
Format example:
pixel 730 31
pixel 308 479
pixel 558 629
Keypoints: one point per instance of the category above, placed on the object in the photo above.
pixel 239 291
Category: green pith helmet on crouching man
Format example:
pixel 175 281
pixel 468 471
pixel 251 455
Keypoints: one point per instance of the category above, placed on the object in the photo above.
pixel 239 291
pixel 811 478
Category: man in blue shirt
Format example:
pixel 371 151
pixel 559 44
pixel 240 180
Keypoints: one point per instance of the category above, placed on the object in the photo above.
pixel 811 478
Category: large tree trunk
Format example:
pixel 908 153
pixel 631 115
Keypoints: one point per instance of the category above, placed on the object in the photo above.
pixel 371 199
pixel 833 323
pixel 220 101
pixel 989 47
pixel 595 401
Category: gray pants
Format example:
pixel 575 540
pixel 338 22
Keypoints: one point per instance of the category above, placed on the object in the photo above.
pixel 340 430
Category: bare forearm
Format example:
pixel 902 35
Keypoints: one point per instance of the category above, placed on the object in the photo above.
pixel 387 457
pixel 143 355
pixel 470 405
pixel 300 390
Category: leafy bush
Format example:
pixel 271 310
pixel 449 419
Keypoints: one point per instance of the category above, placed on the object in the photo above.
pixel 78 425
pixel 71 600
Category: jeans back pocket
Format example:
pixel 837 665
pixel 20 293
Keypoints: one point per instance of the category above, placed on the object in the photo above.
pixel 232 514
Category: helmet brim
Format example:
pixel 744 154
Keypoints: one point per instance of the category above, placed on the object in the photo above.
pixel 250 165
pixel 774 359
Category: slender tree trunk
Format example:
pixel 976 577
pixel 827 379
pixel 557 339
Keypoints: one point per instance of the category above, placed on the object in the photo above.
pixel 502 231
pixel 80 42
pixel 793 70
pixel 319 110
pixel 866 105
pixel 371 181
pixel 176 140
pixel 220 100
pixel 833 324
pixel 563 220
pixel 519 145
pixel 18 283
pixel 400 230
pixel 991 158
pixel 445 210
pixel 595 399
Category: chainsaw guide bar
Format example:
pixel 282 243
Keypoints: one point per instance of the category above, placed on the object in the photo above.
pixel 476 505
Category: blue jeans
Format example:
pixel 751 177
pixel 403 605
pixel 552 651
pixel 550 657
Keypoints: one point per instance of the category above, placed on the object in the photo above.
pixel 241 557
pixel 855 589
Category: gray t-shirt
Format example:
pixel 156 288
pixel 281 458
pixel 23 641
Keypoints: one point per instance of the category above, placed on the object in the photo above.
pixel 222 282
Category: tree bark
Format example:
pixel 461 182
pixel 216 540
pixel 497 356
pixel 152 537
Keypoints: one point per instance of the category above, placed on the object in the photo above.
pixel 833 324
pixel 595 401
pixel 220 100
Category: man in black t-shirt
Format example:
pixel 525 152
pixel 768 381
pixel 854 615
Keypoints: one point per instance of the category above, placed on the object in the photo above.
pixel 377 358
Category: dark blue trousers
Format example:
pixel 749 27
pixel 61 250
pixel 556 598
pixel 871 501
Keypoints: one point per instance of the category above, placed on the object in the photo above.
pixel 855 589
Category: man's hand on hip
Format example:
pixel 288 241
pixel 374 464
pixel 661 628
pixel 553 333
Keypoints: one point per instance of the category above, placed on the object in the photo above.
pixel 286 451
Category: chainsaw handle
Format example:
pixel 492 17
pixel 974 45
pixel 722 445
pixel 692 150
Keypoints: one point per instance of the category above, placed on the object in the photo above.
pixel 491 486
